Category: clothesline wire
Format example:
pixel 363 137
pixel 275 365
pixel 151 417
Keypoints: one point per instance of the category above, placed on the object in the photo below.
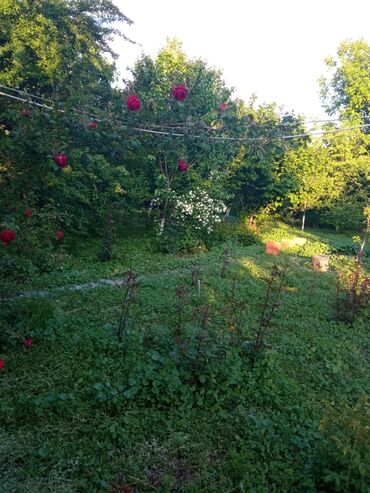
pixel 254 124
pixel 218 138
pixel 20 91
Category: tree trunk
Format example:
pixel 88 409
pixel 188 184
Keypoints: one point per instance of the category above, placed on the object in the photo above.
pixel 363 244
pixel 304 217
pixel 163 220
pixel 164 171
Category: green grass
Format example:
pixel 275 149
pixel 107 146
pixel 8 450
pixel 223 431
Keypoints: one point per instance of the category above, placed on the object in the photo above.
pixel 79 408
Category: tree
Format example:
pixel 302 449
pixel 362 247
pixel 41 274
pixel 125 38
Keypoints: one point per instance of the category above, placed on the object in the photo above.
pixel 255 180
pixel 314 179
pixel 348 154
pixel 198 121
pixel 231 147
pixel 58 48
pixel 347 89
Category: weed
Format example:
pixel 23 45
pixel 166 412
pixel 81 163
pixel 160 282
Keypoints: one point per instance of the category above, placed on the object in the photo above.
pixel 352 292
pixel 271 301
pixel 181 295
pixel 129 287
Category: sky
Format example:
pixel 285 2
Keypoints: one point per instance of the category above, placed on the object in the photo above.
pixel 273 48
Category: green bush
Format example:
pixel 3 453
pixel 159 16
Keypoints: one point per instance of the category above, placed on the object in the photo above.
pixel 344 216
pixel 175 239
pixel 23 318
pixel 235 231
pixel 344 460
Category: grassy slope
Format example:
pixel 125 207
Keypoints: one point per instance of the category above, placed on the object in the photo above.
pixel 78 408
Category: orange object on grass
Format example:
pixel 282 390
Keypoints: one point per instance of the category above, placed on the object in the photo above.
pixel 273 247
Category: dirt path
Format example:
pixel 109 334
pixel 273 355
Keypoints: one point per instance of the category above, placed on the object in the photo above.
pixel 45 293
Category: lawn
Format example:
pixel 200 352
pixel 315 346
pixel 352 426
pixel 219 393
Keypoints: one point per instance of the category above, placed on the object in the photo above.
pixel 177 405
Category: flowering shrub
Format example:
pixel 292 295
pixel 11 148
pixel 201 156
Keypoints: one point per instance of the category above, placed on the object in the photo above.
pixel 191 218
pixel 197 210
pixel 33 249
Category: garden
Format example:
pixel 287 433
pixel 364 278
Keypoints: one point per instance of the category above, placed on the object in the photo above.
pixel 185 276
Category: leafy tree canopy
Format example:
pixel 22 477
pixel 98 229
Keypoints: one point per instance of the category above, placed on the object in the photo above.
pixel 347 88
pixel 58 47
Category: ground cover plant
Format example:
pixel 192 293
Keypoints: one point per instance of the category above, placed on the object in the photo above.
pixel 176 403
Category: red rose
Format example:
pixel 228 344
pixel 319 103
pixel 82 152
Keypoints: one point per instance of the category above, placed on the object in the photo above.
pixel 7 235
pixel 133 103
pixel 2 363
pixel 59 234
pixel 182 165
pixel 27 212
pixel 28 343
pixel 92 124
pixel 180 92
pixel 61 160
pixel 223 107
pixel 26 113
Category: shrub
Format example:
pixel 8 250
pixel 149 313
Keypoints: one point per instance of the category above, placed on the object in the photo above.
pixel 344 458
pixel 353 292
pixel 191 220
pixel 22 319
pixel 235 231
pixel 344 216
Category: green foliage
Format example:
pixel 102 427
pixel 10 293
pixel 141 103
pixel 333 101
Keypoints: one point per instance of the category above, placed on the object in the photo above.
pixel 353 290
pixel 345 452
pixel 189 413
pixel 345 215
pixel 174 404
pixel 347 90
pixel 316 181
pixel 77 199
pixel 73 68
pixel 235 231
pixel 58 47
pixel 255 173
pixel 235 173
pixel 21 320
pixel 153 80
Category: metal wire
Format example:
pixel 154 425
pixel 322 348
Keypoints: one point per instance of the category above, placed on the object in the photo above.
pixel 177 134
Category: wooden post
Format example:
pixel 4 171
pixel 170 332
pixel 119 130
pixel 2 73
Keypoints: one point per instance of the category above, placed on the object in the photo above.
pixel 320 263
